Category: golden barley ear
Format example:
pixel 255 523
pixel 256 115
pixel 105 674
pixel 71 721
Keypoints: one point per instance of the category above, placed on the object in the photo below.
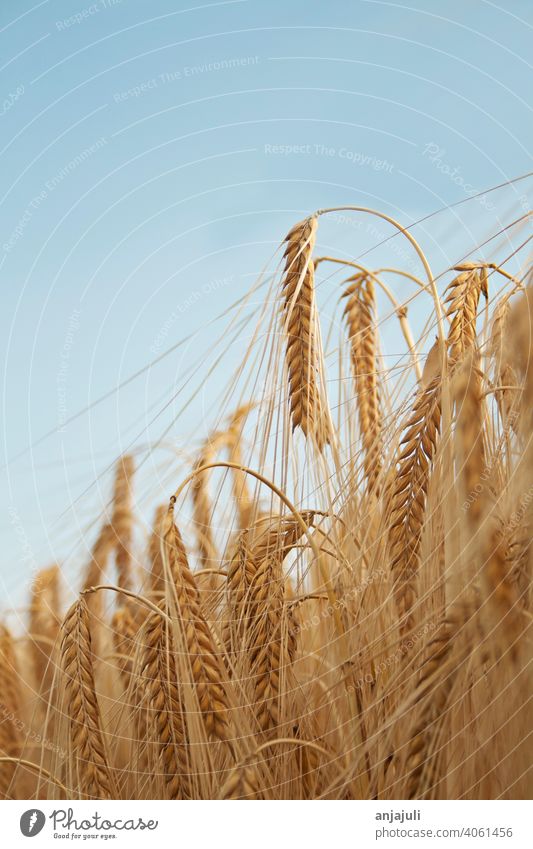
pixel 462 301
pixel 206 668
pixel 306 393
pixel 360 316
pixel 164 705
pixel 91 769
pixel 407 500
pixel 264 630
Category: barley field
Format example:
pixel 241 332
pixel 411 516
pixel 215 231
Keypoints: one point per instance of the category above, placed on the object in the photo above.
pixel 333 601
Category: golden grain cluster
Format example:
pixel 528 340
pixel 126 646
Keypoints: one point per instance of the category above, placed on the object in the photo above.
pixel 334 603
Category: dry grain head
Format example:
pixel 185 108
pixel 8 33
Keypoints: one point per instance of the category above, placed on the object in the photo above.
pixel 303 357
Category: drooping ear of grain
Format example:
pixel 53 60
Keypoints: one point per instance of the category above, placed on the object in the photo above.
pixel 306 393
pixel 206 669
pixel 360 316
pixel 272 648
pixel 241 571
pixel 462 301
pixel 165 706
pixel 418 445
pixel 408 497
pixel 265 629
pixel 89 759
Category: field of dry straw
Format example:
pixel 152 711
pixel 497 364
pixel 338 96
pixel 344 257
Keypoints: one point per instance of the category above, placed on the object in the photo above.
pixel 334 603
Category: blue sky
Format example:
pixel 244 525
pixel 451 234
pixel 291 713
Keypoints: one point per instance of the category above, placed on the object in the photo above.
pixel 153 156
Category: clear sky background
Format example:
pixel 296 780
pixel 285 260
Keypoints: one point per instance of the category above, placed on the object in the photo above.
pixel 153 155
